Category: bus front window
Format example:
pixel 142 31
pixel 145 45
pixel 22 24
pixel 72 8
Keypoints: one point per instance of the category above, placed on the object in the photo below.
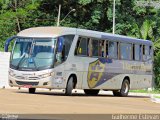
pixel 33 54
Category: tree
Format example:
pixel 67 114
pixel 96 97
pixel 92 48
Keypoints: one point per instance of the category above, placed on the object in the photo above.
pixel 14 14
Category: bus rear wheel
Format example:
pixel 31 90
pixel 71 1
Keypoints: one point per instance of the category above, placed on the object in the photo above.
pixel 91 92
pixel 123 92
pixel 69 87
pixel 116 92
pixel 32 90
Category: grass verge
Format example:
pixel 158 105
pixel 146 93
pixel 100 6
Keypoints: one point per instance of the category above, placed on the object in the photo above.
pixel 145 91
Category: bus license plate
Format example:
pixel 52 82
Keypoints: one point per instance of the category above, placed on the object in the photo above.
pixel 27 86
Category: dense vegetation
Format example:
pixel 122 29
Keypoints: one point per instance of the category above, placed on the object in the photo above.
pixel 131 19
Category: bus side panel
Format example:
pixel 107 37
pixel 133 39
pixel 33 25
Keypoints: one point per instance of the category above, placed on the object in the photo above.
pixel 102 75
pixel 110 74
pixel 84 63
pixel 74 67
pixel 59 79
pixel 140 81
pixel 136 82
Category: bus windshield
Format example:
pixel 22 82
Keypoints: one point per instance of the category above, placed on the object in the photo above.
pixel 33 54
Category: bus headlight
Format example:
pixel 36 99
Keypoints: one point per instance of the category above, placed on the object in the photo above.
pixel 47 75
pixel 11 73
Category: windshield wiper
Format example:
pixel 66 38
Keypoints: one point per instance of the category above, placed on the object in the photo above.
pixel 20 61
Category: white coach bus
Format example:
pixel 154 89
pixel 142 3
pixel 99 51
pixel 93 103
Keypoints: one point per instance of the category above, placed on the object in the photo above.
pixel 71 58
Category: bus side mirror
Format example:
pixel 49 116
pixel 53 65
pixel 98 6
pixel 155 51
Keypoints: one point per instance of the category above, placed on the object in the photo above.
pixel 8 42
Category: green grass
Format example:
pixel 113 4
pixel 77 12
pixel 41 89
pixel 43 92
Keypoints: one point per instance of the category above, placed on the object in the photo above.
pixel 145 91
pixel 157 97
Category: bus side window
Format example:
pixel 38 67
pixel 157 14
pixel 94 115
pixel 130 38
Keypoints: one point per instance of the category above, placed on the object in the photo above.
pixel 67 45
pixel 63 47
pixel 95 48
pixel 133 51
pixel 126 50
pixel 136 52
pixel 101 48
pixel 60 49
pixel 141 52
pixel 150 51
pixel 112 50
pixel 90 47
pixel 145 52
pixel 106 49
pixel 77 46
pixel 82 47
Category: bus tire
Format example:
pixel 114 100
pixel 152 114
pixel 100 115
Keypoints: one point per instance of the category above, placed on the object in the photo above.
pixel 69 87
pixel 125 88
pixel 91 92
pixel 116 93
pixel 32 90
pixel 123 92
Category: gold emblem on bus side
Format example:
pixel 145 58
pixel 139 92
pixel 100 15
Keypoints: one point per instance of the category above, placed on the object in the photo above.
pixel 95 73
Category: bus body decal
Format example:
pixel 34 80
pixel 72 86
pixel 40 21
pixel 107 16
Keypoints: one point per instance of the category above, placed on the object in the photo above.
pixel 96 72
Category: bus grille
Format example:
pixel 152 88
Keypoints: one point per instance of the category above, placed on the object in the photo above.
pixel 33 78
pixel 27 83
pixel 20 77
pixel 27 78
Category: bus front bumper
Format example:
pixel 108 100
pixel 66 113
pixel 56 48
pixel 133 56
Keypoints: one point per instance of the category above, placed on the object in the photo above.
pixel 40 83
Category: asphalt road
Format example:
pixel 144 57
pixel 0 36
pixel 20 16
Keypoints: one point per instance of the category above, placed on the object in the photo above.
pixel 49 102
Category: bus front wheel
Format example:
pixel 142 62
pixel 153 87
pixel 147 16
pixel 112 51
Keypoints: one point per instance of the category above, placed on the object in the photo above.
pixel 91 92
pixel 69 87
pixel 32 90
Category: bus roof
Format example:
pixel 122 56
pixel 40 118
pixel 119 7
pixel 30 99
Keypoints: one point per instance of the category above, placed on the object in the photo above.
pixel 50 32
pixel 46 32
